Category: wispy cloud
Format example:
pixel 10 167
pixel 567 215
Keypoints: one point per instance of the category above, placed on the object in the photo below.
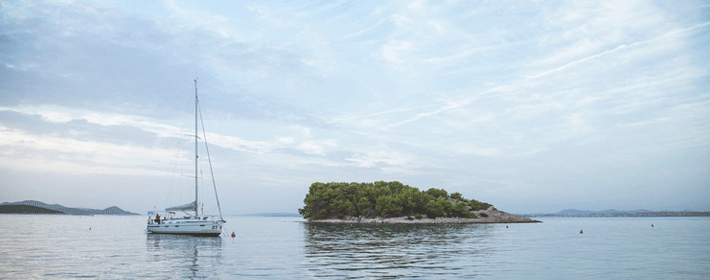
pixel 620 48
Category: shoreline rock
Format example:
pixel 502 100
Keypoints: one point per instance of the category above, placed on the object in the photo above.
pixel 488 216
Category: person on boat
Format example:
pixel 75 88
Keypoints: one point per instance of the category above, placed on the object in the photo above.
pixel 157 218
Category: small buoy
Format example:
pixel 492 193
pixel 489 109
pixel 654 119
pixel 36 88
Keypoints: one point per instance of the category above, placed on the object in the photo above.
pixel 89 228
pixel 234 235
pixel 651 225
pixel 506 226
pixel 581 231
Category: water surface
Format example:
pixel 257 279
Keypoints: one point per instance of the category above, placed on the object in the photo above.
pixel 108 247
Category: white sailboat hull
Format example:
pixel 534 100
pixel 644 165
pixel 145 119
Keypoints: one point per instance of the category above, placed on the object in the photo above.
pixel 186 226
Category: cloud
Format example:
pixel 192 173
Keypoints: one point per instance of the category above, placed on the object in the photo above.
pixel 24 151
pixel 488 98
pixel 365 30
pixel 382 158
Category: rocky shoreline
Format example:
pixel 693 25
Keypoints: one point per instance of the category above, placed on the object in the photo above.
pixel 488 216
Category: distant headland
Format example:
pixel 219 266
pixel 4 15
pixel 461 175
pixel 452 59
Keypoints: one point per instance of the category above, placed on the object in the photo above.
pixel 617 213
pixel 38 207
pixel 396 203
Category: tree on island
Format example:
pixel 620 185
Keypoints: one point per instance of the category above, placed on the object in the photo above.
pixel 386 200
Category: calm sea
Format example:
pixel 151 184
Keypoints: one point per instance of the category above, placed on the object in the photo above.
pixel 105 247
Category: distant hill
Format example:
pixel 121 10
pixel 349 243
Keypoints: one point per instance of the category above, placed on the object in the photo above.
pixel 26 209
pixel 113 210
pixel 573 212
pixel 617 213
pixel 274 215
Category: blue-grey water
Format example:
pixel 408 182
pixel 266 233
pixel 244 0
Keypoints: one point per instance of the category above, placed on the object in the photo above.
pixel 108 247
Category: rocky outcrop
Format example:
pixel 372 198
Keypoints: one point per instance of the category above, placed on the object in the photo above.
pixel 490 215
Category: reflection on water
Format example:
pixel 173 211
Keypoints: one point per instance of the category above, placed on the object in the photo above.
pixel 107 247
pixel 183 256
pixel 384 251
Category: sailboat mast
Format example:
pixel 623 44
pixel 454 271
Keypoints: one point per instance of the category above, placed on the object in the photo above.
pixel 196 100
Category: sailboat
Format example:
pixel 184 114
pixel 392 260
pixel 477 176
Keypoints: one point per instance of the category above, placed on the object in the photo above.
pixel 190 223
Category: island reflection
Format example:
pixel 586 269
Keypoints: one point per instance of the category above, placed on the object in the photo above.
pixel 390 250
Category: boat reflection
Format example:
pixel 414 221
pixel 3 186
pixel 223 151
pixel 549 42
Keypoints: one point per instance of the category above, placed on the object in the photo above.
pixel 184 256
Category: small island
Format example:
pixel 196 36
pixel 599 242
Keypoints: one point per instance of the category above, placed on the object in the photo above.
pixel 38 207
pixel 396 203
pixel 26 209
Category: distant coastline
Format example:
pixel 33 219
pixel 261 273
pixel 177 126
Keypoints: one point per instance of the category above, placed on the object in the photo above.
pixel 616 213
pixel 27 209
pixel 279 215
pixel 38 207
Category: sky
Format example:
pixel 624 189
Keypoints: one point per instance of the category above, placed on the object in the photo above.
pixel 532 106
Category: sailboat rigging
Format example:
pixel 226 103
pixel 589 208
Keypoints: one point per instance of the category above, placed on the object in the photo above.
pixel 191 224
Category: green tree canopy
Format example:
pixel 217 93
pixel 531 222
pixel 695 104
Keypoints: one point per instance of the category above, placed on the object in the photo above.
pixel 384 199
